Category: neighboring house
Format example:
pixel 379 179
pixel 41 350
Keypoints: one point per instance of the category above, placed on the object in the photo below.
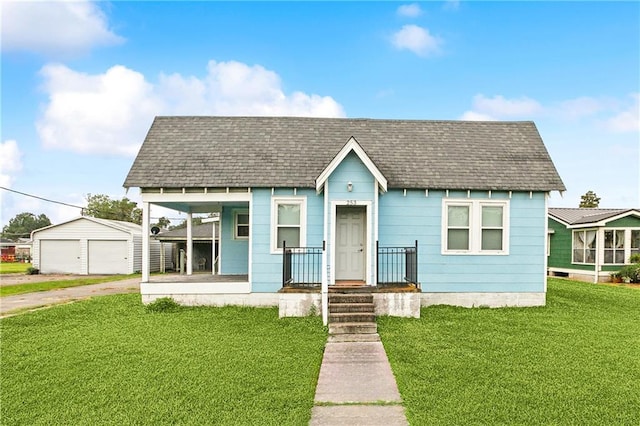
pixel 203 255
pixel 15 251
pixel 455 208
pixel 88 245
pixel 7 250
pixel 23 250
pixel 589 244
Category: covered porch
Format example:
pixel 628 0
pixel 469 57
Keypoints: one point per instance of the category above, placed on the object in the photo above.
pixel 225 266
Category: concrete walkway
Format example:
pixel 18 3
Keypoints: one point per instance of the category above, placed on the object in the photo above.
pixel 39 299
pixel 356 385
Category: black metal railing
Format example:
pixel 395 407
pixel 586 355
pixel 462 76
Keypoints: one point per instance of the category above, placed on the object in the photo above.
pixel 302 266
pixel 397 265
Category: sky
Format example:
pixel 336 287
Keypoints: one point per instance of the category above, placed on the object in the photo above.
pixel 82 81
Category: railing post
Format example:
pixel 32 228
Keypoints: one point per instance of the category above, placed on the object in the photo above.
pixel 377 262
pixel 285 264
pixel 324 293
pixel 415 268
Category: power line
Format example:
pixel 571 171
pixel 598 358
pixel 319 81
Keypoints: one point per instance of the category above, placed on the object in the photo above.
pixel 42 198
pixel 67 204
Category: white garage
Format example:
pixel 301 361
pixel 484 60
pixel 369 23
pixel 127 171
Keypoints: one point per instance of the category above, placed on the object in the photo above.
pixel 88 245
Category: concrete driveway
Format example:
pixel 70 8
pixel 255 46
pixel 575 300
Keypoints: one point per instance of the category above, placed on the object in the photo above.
pixel 39 299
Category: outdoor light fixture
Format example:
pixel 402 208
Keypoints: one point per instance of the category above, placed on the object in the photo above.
pixel 350 186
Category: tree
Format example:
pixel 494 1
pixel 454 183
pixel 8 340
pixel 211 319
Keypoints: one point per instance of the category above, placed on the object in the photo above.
pixel 22 225
pixel 162 223
pixel 194 222
pixel 101 206
pixel 589 200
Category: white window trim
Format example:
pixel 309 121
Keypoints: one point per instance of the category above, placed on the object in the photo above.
pixel 236 213
pixel 275 201
pixel 598 248
pixel 475 226
pixel 627 244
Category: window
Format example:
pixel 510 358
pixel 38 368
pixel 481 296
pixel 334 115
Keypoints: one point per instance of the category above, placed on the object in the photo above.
pixel 241 225
pixel 288 223
pixel 635 242
pixel 492 227
pixel 614 246
pixel 584 246
pixel 458 227
pixel 475 227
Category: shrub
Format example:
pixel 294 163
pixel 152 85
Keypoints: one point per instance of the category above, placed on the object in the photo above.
pixel 630 273
pixel 163 304
pixel 32 271
pixel 635 258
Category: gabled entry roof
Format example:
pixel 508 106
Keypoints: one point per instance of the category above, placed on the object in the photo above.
pixel 352 146
pixel 190 152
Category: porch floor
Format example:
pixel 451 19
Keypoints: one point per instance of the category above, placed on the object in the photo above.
pixel 396 288
pixel 200 277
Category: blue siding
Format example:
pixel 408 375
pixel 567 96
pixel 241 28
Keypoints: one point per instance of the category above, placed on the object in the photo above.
pixel 267 267
pixel 234 253
pixel 403 219
pixel 351 170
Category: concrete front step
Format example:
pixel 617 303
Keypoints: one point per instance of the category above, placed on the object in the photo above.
pixel 352 317
pixel 352 307
pixel 350 298
pixel 353 328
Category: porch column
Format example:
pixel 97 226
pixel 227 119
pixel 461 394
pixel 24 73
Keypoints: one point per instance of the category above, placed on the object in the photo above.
pixel 145 242
pixel 189 244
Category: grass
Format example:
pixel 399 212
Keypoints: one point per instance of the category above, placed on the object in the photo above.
pixel 108 360
pixel 14 267
pixel 11 290
pixel 575 361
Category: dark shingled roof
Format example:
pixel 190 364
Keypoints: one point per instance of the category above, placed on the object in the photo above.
pixel 202 231
pixel 583 216
pixel 293 151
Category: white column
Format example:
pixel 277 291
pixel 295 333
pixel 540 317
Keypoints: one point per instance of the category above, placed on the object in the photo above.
pixel 145 242
pixel 324 290
pixel 189 244
pixel 213 248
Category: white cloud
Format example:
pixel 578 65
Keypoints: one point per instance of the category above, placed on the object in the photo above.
pixel 55 27
pixel 10 162
pixel 105 113
pixel 110 113
pixel 476 116
pixel 410 10
pixel 499 107
pixel 629 119
pixel 235 88
pixel 580 107
pixel 416 39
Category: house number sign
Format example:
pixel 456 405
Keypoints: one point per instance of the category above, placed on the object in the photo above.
pixel 352 202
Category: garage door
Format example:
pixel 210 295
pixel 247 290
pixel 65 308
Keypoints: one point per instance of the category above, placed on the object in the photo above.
pixel 60 256
pixel 108 257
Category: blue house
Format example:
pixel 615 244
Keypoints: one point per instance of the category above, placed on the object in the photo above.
pixel 419 212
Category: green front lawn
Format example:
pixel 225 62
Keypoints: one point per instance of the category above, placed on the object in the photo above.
pixel 576 361
pixel 11 290
pixel 109 361
pixel 14 267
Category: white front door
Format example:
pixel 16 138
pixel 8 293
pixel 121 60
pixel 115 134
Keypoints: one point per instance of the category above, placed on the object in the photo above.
pixel 350 243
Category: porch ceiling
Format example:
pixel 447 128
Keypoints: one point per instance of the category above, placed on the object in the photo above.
pixel 193 207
